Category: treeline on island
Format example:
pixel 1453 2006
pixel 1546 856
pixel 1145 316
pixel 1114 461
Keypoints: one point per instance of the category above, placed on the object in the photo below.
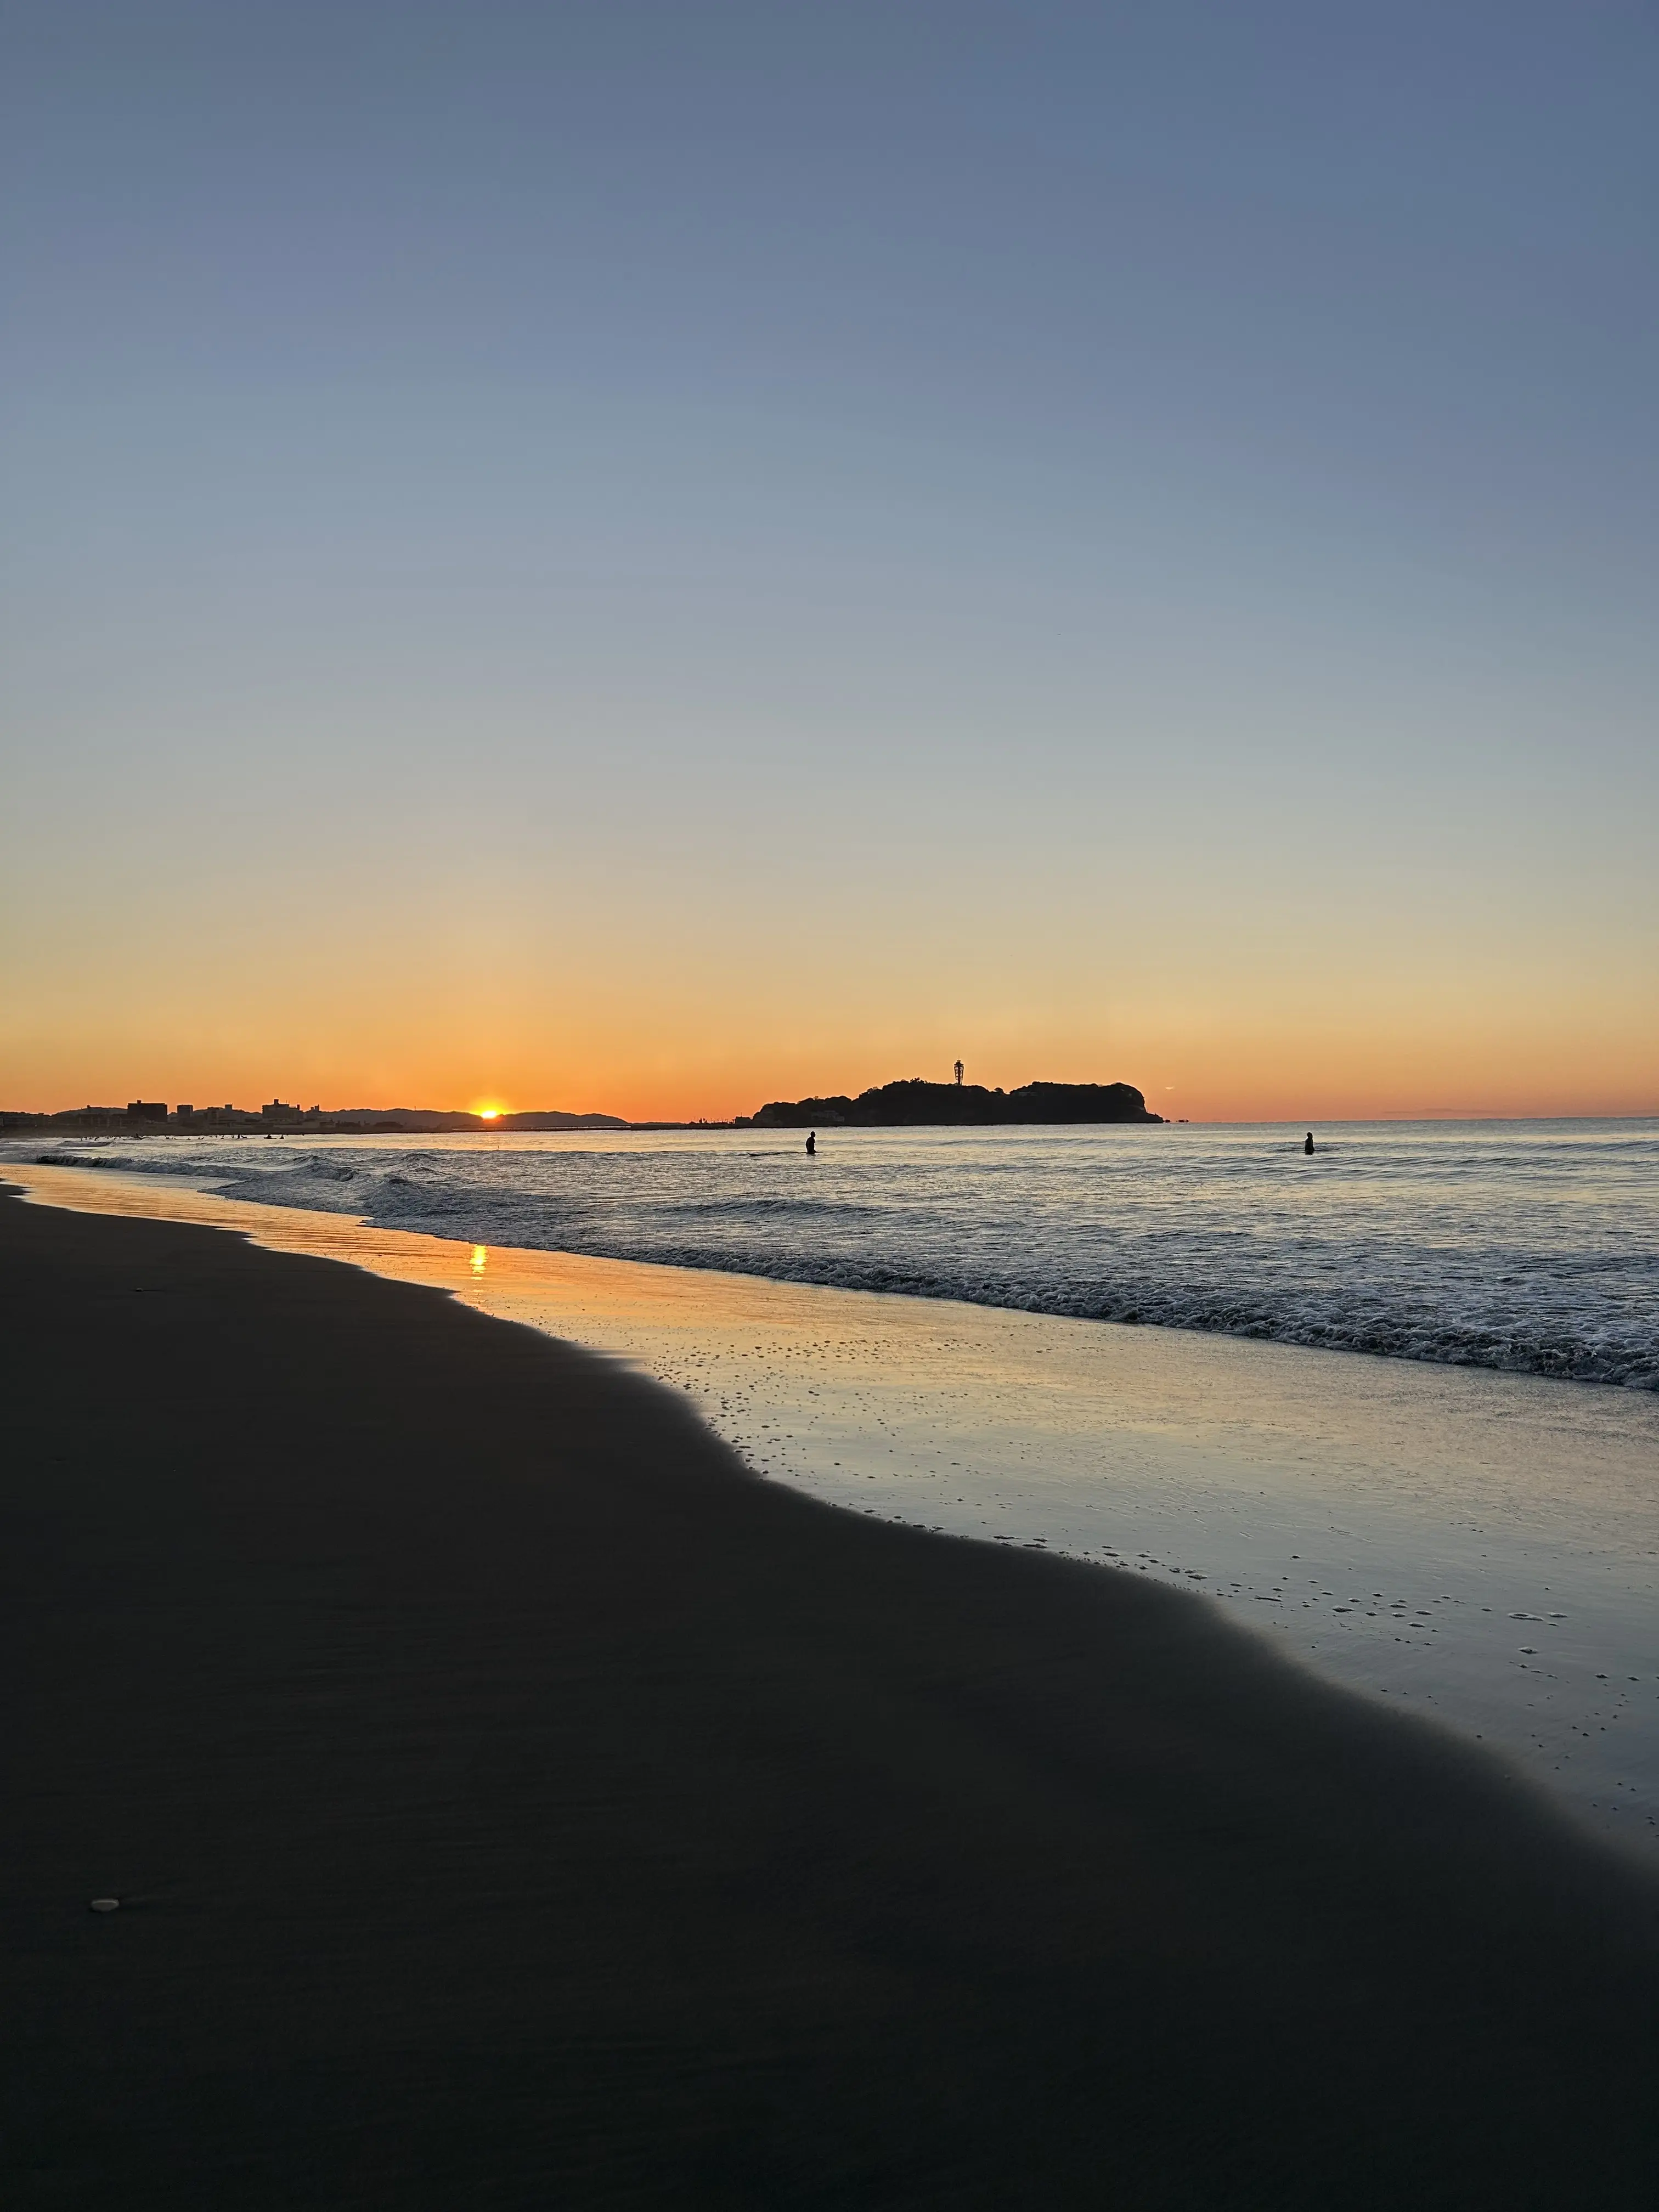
pixel 918 1104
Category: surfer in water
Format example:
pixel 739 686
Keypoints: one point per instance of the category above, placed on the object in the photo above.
pixel 1307 1148
pixel 813 1143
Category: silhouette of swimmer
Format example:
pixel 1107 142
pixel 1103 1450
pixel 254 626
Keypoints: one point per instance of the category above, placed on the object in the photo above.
pixel 812 1141
pixel 1307 1147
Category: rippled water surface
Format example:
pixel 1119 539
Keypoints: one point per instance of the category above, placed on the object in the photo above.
pixel 1531 1247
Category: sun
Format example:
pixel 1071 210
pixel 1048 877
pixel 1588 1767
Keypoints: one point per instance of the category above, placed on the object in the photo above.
pixel 488 1113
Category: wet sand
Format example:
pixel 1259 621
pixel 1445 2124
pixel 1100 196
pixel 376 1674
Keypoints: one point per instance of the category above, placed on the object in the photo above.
pixel 513 1801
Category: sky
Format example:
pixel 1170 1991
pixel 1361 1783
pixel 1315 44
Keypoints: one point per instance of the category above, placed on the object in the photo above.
pixel 656 557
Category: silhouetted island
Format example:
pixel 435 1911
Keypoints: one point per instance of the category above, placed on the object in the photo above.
pixel 918 1104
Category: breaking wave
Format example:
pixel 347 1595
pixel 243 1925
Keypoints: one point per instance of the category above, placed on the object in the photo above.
pixel 1527 1248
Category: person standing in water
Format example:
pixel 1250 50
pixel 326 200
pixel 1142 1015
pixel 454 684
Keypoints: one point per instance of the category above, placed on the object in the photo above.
pixel 813 1143
pixel 1307 1147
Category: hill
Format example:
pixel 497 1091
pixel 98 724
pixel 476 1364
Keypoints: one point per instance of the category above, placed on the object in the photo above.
pixel 918 1104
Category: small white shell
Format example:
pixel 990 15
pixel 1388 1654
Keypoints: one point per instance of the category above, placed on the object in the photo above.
pixel 105 1904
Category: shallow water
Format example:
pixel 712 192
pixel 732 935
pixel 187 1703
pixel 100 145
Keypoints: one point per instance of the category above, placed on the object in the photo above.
pixel 1480 1546
pixel 1531 1247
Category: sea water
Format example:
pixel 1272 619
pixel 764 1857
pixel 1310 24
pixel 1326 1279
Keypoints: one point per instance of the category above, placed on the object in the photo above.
pixel 1529 1246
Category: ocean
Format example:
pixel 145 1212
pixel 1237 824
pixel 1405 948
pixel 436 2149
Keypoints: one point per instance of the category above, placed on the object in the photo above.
pixel 1528 1247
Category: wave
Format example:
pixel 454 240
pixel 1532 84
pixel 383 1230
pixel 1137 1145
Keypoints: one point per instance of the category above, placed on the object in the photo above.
pixel 1628 1363
pixel 1453 1269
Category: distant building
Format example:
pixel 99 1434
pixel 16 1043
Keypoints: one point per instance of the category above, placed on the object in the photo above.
pixel 146 1109
pixel 958 1074
pixel 185 1113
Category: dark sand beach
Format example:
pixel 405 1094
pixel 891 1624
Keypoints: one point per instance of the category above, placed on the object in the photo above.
pixel 513 1802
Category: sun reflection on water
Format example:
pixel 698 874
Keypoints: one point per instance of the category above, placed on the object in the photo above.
pixel 480 1258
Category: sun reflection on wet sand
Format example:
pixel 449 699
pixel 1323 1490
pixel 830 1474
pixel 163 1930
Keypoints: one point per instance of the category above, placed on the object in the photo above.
pixel 1481 1547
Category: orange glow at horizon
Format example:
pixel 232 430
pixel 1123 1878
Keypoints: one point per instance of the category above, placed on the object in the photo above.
pixel 1204 1068
pixel 1246 1023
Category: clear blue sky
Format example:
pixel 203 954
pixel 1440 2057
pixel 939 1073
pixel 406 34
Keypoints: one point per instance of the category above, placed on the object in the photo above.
pixel 629 553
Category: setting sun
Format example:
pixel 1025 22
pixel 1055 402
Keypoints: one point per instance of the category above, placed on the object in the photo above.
pixel 488 1113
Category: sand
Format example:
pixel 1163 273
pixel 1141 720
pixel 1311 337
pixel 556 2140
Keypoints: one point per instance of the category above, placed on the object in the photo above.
pixel 512 1801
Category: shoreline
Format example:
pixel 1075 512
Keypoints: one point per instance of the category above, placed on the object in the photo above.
pixel 1478 1546
pixel 510 1797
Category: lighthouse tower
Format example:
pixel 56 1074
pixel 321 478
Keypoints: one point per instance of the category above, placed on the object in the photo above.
pixel 958 1074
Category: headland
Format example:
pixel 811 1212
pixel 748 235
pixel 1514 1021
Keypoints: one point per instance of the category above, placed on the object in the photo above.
pixel 917 1103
